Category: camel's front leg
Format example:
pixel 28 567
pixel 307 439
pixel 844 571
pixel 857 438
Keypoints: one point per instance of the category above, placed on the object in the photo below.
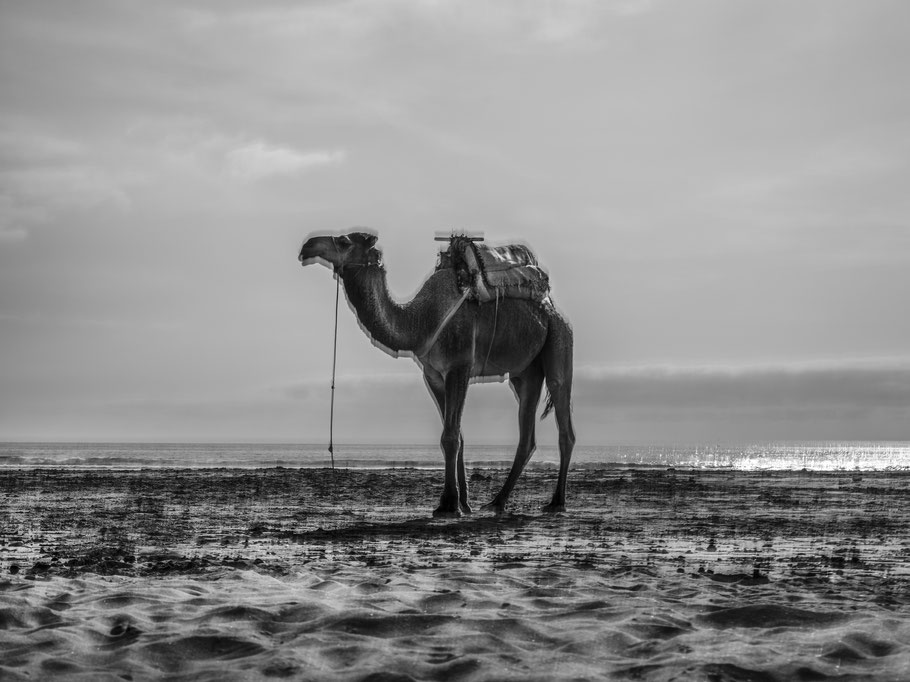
pixel 456 389
pixel 462 481
pixel 437 387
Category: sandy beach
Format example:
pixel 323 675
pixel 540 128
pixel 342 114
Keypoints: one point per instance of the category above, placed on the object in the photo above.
pixel 652 574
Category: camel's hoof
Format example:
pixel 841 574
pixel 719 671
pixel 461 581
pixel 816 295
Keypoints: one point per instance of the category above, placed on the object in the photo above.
pixel 495 507
pixel 465 508
pixel 554 508
pixel 440 513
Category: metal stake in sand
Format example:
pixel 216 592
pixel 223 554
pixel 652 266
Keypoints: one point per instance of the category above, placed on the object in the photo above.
pixel 334 356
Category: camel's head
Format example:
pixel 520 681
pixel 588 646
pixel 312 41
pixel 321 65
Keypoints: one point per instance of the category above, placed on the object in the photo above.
pixel 357 249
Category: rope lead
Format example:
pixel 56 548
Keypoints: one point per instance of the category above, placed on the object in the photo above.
pixel 334 356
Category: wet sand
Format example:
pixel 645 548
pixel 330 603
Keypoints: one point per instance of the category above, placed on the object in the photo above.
pixel 651 574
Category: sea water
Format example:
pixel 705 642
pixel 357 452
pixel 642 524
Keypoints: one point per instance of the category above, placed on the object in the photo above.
pixel 813 456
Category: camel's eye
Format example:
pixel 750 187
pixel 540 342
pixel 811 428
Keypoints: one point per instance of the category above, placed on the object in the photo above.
pixel 344 241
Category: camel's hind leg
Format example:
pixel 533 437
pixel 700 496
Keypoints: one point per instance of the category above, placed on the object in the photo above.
pixel 557 362
pixel 527 387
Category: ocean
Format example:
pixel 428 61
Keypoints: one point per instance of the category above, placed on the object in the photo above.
pixel 812 456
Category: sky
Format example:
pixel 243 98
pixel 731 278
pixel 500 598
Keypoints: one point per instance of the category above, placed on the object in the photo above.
pixel 719 190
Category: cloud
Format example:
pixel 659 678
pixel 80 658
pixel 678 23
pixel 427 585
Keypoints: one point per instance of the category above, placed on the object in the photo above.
pixel 9 234
pixel 35 196
pixel 544 21
pixel 69 186
pixel 828 168
pixel 43 176
pixel 818 386
pixel 259 160
pixel 349 26
pixel 833 401
pixel 13 215
pixel 570 21
pixel 859 385
pixel 849 401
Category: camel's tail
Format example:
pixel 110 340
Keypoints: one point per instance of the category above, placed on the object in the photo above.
pixel 548 407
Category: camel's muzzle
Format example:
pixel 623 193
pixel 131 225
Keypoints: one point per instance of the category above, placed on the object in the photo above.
pixel 309 256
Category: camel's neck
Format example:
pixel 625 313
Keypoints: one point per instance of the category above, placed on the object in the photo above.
pixel 388 323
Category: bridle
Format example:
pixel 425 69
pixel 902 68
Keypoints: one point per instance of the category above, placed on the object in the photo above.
pixel 374 259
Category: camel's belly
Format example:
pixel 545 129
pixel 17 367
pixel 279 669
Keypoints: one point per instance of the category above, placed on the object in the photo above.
pixel 508 351
pixel 494 343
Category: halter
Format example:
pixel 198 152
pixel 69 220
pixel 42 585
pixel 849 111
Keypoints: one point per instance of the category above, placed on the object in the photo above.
pixel 374 259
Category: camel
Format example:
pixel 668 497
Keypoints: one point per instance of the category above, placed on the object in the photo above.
pixel 528 340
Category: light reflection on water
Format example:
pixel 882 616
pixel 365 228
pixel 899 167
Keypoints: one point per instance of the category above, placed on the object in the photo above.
pixel 814 456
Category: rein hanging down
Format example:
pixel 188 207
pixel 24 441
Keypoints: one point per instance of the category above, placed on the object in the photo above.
pixel 334 356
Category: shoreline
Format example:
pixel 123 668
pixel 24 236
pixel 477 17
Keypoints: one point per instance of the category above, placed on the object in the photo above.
pixel 813 456
pixel 203 511
pixel 492 465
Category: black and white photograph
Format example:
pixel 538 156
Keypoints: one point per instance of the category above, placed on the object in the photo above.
pixel 472 340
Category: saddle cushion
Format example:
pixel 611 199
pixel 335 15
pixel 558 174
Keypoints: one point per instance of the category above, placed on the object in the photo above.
pixel 492 272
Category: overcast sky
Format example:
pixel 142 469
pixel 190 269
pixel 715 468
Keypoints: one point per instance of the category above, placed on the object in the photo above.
pixel 719 189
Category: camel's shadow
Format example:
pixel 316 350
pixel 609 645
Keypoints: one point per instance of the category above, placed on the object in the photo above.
pixel 475 526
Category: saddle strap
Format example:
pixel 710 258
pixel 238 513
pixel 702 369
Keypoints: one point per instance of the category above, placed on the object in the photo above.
pixel 492 336
pixel 442 325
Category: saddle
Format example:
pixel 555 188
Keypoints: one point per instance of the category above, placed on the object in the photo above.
pixel 488 273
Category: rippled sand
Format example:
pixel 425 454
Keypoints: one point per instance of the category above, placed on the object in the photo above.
pixel 313 574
